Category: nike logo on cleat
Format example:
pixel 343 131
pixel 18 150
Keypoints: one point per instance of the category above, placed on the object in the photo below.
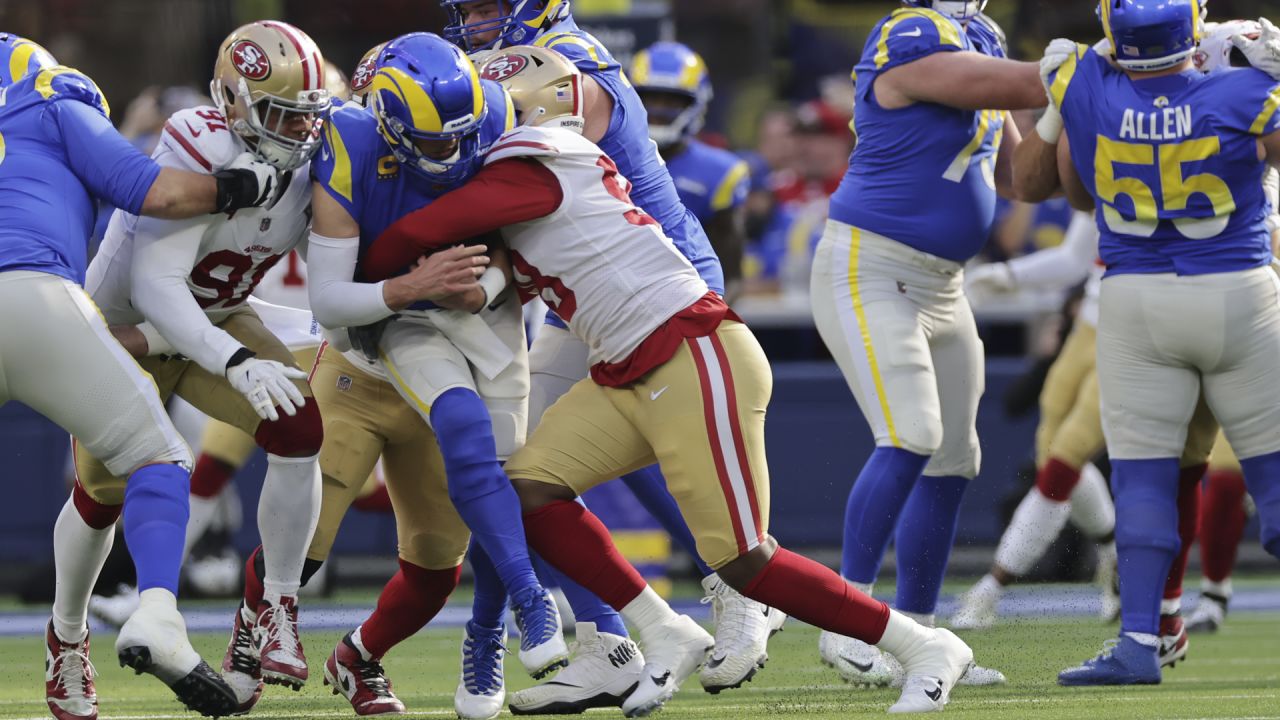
pixel 934 694
pixel 860 667
pixel 657 393
pixel 661 679
pixel 715 661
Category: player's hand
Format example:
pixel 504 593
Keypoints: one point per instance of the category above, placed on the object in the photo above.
pixel 1262 52
pixel 266 384
pixel 471 300
pixel 1055 55
pixel 437 276
pixel 990 278
pixel 247 182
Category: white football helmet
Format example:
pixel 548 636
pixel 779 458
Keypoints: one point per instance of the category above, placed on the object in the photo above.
pixel 1216 50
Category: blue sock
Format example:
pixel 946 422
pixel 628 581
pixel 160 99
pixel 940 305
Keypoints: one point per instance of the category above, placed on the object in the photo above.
pixel 155 523
pixel 1146 493
pixel 925 535
pixel 650 488
pixel 586 606
pixel 490 602
pixel 479 488
pixel 1262 475
pixel 872 512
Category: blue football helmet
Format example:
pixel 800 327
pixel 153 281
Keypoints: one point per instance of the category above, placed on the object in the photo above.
pixel 671 68
pixel 961 10
pixel 1149 35
pixel 19 57
pixel 426 89
pixel 521 23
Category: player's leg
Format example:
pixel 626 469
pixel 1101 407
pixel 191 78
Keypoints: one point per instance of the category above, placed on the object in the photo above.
pixel 289 505
pixel 60 359
pixel 1094 513
pixel 224 449
pixel 1221 526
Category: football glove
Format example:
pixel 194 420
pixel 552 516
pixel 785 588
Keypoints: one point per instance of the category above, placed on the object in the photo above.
pixel 246 182
pixel 1263 53
pixel 266 384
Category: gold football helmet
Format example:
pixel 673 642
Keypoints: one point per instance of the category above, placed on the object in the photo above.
pixel 362 78
pixel 269 82
pixel 545 88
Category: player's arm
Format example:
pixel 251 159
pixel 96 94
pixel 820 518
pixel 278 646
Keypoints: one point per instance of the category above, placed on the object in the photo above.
pixel 115 170
pixel 1004 159
pixel 727 226
pixel 966 80
pixel 1035 169
pixel 503 193
pixel 597 109
pixel 1271 148
pixel 1077 194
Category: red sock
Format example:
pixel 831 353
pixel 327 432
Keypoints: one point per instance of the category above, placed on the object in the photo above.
pixel 210 476
pixel 817 595
pixel 577 544
pixel 408 602
pixel 1188 517
pixel 1222 521
pixel 253 572
pixel 378 501
pixel 95 514
pixel 1057 479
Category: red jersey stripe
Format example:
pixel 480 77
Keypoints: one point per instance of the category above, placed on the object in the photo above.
pixel 186 145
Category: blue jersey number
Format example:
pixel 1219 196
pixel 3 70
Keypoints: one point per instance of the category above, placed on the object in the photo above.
pixel 1176 189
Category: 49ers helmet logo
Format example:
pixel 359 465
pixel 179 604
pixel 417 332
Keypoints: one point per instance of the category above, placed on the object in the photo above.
pixel 250 60
pixel 501 68
pixel 364 74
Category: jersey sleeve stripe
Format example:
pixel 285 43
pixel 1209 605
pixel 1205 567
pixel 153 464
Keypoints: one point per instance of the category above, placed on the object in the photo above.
pixel 1268 111
pixel 340 178
pixel 1058 90
pixel 187 146
pixel 723 195
pixel 497 150
pixel 947 33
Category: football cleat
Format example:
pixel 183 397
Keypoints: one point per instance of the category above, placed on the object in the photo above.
pixel 857 662
pixel 977 609
pixel 240 666
pixel 1173 640
pixel 1123 661
pixel 542 646
pixel 605 669
pixel 154 641
pixel 357 676
pixel 481 688
pixel 932 668
pixel 1209 614
pixel 279 649
pixel 115 610
pixel 673 651
pixel 68 678
pixel 743 627
pixel 979 676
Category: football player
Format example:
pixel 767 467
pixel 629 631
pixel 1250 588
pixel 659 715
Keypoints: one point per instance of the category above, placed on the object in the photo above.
pixel 933 87
pixel 61 153
pixel 675 87
pixel 1195 256
pixel 614 117
pixel 430 119
pixel 675 377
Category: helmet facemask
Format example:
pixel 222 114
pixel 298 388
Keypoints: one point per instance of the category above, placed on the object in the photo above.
pixel 281 132
pixel 961 10
pixel 457 167
pixel 674 117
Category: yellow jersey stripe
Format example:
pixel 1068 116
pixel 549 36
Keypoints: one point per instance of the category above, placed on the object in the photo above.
pixel 855 249
pixel 724 192
pixel 1268 111
pixel 947 32
pixel 1058 90
pixel 424 408
pixel 567 39
pixel 477 94
pixel 44 83
pixel 340 178
pixel 955 172
pixel 21 57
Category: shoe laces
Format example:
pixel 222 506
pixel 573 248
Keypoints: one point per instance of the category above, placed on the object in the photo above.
pixel 482 662
pixel 242 648
pixel 76 671
pixel 373 677
pixel 1108 649
pixel 736 617
pixel 536 617
pixel 282 629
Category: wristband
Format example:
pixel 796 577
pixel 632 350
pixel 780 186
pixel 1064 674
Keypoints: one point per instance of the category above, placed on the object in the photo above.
pixel 1049 126
pixel 236 189
pixel 240 356
pixel 493 281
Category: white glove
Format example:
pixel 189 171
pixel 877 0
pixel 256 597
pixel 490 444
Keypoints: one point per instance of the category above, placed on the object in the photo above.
pixel 1263 53
pixel 266 383
pixel 1103 48
pixel 1055 55
pixel 267 176
pixel 990 278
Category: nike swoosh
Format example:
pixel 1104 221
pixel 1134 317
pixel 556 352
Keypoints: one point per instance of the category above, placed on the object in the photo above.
pixel 194 132
pixel 661 680
pixel 861 667
pixel 935 693
pixel 913 33
pixel 658 393
pixel 715 662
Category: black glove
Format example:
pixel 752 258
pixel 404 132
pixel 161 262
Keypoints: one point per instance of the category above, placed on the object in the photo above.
pixel 366 337
pixel 245 183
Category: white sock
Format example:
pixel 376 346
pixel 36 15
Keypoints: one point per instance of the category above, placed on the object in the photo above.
pixel 1035 524
pixel 1170 606
pixel 287 512
pixel 359 643
pixel 78 554
pixel 1092 509
pixel 203 510
pixel 902 635
pixel 1223 588
pixel 927 620
pixel 865 588
pixel 648 611
pixel 1145 639
pixel 988 586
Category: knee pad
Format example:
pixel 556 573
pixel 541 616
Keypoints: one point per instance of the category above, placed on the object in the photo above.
pixel 297 435
pixel 465 433
pixel 95 514
pixel 923 437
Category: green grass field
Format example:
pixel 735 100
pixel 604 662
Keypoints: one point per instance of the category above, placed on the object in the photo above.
pixel 1235 674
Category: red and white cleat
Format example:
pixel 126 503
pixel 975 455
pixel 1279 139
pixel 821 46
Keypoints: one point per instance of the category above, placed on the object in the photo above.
pixel 68 678
pixel 1173 640
pixel 240 666
pixel 361 680
pixel 279 648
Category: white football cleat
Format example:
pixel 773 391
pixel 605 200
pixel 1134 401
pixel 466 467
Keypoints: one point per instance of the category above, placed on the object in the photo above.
pixel 542 646
pixel 481 689
pixel 68 677
pixel 977 609
pixel 604 669
pixel 857 662
pixel 154 641
pixel 743 627
pixel 933 666
pixel 115 610
pixel 240 666
pixel 1209 615
pixel 279 650
pixel 979 676
pixel 673 651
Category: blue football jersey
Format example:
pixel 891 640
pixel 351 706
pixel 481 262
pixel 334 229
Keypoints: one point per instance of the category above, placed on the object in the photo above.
pixel 709 179
pixel 923 175
pixel 627 143
pixel 1172 163
pixel 356 167
pixel 58 154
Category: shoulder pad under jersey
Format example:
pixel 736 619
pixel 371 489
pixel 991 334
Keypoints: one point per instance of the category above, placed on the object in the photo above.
pixel 202 138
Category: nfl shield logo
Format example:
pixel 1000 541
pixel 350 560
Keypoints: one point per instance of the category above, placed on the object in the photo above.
pixel 344 383
pixel 265 225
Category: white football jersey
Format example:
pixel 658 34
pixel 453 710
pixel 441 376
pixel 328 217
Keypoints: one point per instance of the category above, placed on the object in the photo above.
pixel 236 250
pixel 286 283
pixel 599 261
